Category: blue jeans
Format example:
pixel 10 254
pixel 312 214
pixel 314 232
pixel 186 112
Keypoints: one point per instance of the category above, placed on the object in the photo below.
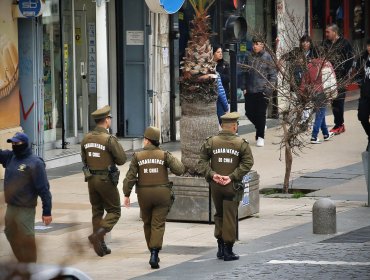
pixel 320 123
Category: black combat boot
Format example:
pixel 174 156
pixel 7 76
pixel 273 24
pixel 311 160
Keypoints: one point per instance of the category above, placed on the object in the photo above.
pixel 229 254
pixel 106 249
pixel 220 252
pixel 96 239
pixel 154 260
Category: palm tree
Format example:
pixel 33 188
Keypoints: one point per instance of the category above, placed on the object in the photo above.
pixel 198 96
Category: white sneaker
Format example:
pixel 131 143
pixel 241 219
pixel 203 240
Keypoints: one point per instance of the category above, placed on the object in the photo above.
pixel 260 142
pixel 315 140
pixel 327 137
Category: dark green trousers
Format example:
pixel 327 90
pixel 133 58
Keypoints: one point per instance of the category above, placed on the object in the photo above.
pixel 154 204
pixel 20 232
pixel 226 212
pixel 104 196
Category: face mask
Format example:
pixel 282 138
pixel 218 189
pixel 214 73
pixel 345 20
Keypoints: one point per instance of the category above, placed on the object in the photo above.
pixel 19 149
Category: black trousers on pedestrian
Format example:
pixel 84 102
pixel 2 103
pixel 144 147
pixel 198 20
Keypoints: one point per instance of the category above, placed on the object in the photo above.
pixel 338 107
pixel 255 110
pixel 364 114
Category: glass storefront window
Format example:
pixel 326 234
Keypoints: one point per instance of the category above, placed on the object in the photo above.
pixel 53 110
pixel 69 67
pixel 255 17
pixel 58 71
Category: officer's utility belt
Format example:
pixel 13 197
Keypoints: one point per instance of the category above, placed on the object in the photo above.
pixel 238 186
pixel 169 185
pixel 99 172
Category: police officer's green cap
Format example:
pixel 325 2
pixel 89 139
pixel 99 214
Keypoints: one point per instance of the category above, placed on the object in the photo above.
pixel 101 113
pixel 230 117
pixel 152 133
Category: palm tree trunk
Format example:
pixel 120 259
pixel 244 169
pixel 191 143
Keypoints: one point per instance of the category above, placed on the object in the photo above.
pixel 198 122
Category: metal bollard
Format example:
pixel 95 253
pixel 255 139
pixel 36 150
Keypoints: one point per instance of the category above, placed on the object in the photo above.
pixel 366 164
pixel 324 219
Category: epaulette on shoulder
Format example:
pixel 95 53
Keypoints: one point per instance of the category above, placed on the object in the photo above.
pixel 209 137
pixel 245 140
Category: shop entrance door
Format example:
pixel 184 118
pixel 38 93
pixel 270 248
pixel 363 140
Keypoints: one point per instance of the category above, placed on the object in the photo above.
pixel 337 11
pixel 133 107
pixel 81 45
pixel 85 64
pixel 30 81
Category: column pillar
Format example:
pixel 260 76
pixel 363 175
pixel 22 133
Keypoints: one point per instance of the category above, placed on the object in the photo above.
pixel 102 83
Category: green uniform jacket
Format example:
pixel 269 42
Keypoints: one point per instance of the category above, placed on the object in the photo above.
pixel 245 155
pixel 171 162
pixel 113 147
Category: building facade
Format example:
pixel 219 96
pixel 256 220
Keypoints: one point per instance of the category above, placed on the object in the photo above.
pixel 351 16
pixel 62 59
pixel 73 56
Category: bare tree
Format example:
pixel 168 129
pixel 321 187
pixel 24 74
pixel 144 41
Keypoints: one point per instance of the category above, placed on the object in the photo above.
pixel 297 103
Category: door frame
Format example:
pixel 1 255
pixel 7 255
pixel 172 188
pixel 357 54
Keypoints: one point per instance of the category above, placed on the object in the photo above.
pixel 122 54
pixel 82 74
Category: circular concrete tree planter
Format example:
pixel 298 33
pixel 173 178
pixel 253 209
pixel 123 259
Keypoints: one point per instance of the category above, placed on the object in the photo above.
pixel 193 201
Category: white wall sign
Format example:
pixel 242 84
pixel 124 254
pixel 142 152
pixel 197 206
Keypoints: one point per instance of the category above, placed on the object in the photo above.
pixel 134 37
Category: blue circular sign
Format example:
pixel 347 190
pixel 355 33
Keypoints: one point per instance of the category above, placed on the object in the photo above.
pixel 30 8
pixel 172 6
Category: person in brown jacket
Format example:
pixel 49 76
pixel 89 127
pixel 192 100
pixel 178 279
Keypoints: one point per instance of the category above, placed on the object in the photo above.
pixel 101 152
pixel 148 171
pixel 224 160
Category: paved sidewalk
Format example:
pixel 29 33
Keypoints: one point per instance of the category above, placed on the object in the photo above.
pixel 339 160
pixel 295 253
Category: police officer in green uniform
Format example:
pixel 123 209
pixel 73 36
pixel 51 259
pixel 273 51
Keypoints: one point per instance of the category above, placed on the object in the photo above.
pixel 101 152
pixel 148 171
pixel 224 160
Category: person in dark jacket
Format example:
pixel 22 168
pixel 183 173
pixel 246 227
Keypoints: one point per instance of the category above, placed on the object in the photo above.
pixel 340 55
pixel 306 51
pixel 363 68
pixel 258 84
pixel 297 60
pixel 25 180
pixel 223 68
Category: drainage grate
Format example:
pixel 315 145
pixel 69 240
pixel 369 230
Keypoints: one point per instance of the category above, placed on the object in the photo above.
pixel 361 235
